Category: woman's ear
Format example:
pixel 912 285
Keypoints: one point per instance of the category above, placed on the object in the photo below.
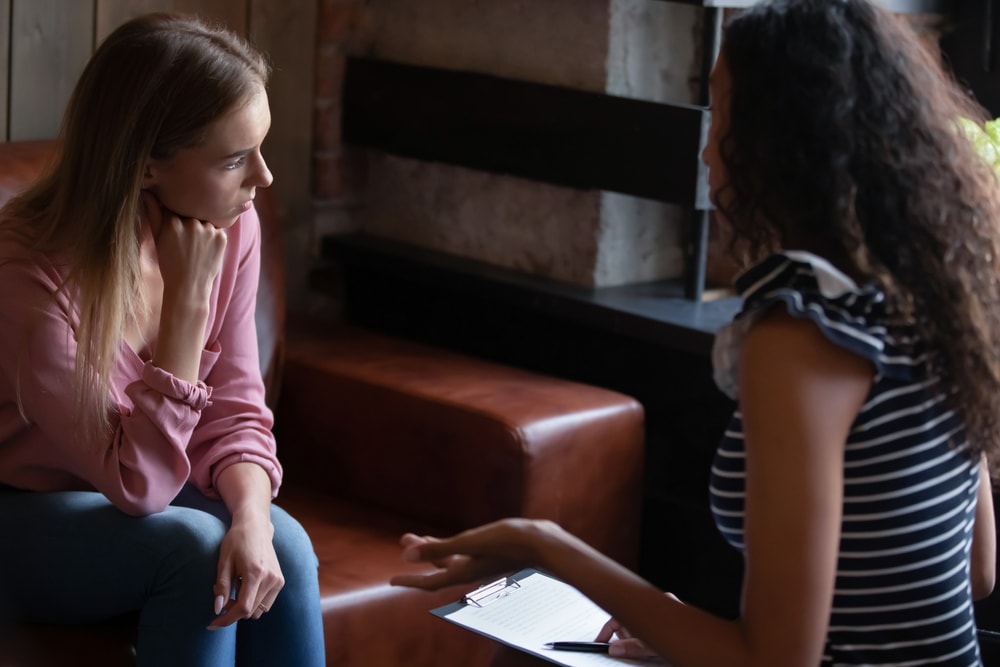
pixel 149 175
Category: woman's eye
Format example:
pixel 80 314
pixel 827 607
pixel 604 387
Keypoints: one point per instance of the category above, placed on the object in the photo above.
pixel 237 164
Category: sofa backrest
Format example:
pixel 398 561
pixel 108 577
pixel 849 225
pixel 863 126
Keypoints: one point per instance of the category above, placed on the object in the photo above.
pixel 21 162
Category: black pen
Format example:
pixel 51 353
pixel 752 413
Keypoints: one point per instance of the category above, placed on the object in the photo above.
pixel 585 647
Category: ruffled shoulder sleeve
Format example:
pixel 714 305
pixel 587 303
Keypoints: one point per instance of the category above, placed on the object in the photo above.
pixel 810 287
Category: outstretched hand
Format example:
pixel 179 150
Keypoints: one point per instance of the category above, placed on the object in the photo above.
pixel 487 551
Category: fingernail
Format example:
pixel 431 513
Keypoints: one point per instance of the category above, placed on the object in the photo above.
pixel 220 602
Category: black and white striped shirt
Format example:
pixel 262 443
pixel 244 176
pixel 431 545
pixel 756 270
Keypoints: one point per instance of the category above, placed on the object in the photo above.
pixel 903 595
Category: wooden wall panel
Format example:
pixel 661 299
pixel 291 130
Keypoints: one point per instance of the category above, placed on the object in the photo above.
pixel 4 65
pixel 50 43
pixel 231 12
pixel 286 31
pixel 112 13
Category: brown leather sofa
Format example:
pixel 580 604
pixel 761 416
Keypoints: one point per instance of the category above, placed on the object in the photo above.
pixel 380 436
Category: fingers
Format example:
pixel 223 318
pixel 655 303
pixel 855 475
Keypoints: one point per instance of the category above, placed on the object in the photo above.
pixel 255 595
pixel 626 646
pixel 630 648
pixel 613 628
pixel 412 545
pixel 417 548
pixel 265 602
pixel 429 581
pixel 251 602
pixel 223 587
pixel 190 254
pixel 450 570
pixel 607 631
pixel 462 559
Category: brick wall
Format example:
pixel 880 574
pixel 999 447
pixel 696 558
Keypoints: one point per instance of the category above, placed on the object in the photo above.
pixel 582 237
pixel 337 173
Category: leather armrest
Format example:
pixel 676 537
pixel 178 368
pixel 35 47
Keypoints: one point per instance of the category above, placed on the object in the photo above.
pixel 454 441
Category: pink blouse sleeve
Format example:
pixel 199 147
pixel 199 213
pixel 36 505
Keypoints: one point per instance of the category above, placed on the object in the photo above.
pixel 165 431
pixel 236 426
pixel 143 464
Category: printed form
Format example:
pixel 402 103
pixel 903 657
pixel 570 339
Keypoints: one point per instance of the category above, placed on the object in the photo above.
pixel 538 609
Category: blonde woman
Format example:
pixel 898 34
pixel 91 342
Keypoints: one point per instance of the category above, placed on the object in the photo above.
pixel 137 462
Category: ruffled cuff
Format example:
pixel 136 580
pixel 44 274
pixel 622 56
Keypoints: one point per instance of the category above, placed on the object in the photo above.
pixel 197 396
pixel 850 316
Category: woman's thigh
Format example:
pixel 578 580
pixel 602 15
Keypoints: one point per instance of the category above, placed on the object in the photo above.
pixel 72 556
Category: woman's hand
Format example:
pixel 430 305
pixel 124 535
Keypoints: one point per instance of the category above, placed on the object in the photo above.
pixel 246 559
pixel 190 251
pixel 626 646
pixel 486 551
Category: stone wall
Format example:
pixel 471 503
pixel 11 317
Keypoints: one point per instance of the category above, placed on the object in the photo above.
pixel 635 48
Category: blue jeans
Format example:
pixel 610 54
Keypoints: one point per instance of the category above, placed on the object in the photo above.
pixel 72 557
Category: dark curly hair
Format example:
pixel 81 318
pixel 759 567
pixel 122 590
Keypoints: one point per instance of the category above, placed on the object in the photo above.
pixel 843 139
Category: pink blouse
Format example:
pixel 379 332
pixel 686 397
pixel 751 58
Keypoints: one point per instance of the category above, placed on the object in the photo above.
pixel 166 431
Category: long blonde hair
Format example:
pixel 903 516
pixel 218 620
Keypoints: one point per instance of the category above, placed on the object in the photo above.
pixel 153 86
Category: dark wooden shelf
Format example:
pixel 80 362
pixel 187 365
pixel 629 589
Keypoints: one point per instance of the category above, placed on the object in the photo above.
pixel 717 4
pixel 900 6
pixel 529 130
pixel 655 312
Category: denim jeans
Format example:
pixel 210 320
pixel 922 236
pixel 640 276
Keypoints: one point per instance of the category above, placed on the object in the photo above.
pixel 72 557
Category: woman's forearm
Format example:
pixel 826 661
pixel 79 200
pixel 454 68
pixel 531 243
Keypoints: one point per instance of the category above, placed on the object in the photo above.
pixel 246 490
pixel 984 539
pixel 181 337
pixel 666 625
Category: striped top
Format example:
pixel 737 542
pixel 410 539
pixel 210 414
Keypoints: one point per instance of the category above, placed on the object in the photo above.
pixel 903 595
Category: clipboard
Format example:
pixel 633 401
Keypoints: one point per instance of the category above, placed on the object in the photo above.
pixel 530 608
pixel 486 594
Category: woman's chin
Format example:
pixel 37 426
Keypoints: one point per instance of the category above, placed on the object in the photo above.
pixel 224 223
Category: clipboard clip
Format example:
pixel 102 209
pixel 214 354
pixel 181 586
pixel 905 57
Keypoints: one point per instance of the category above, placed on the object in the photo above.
pixel 491 592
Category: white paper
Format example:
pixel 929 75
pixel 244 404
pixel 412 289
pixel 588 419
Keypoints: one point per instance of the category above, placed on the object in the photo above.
pixel 541 610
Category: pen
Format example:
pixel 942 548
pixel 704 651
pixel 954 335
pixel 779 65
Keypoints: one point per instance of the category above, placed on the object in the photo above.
pixel 585 647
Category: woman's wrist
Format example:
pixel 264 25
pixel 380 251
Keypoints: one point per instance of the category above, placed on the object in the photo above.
pixel 254 520
pixel 246 490
pixel 180 337
pixel 551 546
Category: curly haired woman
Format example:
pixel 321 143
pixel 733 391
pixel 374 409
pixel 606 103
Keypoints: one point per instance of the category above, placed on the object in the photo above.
pixel 853 476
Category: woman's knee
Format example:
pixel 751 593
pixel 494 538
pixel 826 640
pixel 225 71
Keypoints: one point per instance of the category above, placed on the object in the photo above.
pixel 182 585
pixel 189 537
pixel 292 544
